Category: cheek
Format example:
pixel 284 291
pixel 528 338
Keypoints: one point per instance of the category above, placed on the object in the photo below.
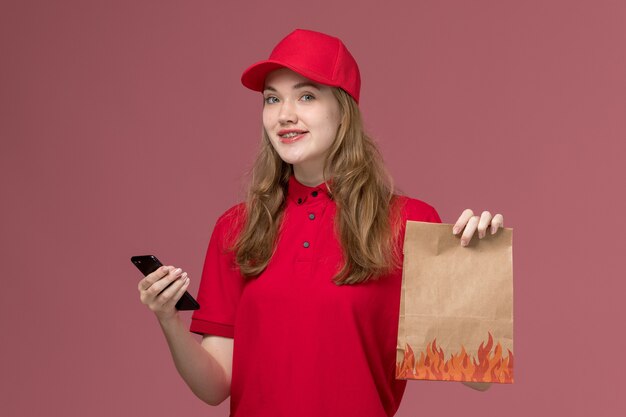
pixel 331 124
pixel 268 117
pixel 266 120
pixel 333 118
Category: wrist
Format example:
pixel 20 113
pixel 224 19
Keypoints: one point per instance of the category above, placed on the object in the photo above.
pixel 168 320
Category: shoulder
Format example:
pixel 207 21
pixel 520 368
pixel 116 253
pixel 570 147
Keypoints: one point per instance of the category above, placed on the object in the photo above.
pixel 232 215
pixel 417 210
pixel 230 222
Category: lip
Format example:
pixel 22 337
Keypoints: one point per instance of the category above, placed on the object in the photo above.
pixel 285 131
pixel 293 139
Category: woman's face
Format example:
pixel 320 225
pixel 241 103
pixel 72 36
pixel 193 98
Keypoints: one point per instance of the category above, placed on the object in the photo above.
pixel 293 103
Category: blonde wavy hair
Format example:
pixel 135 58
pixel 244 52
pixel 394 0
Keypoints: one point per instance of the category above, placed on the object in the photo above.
pixel 367 214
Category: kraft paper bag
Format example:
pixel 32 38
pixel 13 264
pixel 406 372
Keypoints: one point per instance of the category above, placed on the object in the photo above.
pixel 456 307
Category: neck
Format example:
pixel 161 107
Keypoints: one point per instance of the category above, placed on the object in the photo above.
pixel 310 178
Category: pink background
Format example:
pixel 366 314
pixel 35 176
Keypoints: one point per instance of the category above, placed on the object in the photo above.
pixel 125 130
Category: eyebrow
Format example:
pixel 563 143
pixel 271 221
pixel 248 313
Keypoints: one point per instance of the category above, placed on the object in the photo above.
pixel 296 86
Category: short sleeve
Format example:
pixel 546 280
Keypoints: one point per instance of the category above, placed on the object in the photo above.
pixel 420 211
pixel 433 216
pixel 221 283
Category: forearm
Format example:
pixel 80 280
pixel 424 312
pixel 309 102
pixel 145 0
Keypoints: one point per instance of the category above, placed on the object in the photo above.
pixel 480 386
pixel 201 371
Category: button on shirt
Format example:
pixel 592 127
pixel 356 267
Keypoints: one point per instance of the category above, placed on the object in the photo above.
pixel 304 346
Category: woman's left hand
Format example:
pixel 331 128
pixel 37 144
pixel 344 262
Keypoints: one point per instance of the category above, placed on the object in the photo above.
pixel 471 222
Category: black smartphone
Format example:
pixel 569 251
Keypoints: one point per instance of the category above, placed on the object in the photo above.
pixel 147 264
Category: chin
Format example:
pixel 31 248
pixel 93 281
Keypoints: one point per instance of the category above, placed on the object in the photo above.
pixel 293 160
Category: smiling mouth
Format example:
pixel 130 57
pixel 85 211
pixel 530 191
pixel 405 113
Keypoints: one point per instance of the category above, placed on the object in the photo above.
pixel 290 138
pixel 291 133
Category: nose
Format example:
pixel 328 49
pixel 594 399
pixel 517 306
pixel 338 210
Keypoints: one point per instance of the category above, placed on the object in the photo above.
pixel 287 113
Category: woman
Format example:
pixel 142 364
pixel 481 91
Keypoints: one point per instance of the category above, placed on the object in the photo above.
pixel 305 274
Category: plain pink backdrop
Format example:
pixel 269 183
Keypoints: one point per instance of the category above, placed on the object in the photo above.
pixel 125 130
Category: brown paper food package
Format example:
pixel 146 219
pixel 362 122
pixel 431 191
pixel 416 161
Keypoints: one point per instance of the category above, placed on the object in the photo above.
pixel 456 306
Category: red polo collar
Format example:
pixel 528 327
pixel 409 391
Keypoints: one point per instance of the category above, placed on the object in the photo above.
pixel 300 193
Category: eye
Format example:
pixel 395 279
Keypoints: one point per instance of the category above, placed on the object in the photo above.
pixel 268 100
pixel 308 95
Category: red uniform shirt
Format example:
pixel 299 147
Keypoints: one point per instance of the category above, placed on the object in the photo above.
pixel 304 346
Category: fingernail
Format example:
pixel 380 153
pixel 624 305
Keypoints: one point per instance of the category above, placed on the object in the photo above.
pixel 178 271
pixel 493 229
pixel 455 230
pixel 464 242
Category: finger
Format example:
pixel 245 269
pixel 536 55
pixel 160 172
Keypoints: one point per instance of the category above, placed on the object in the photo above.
pixel 483 223
pixel 469 230
pixel 185 284
pixel 161 284
pixel 498 221
pixel 153 277
pixel 462 221
pixel 166 295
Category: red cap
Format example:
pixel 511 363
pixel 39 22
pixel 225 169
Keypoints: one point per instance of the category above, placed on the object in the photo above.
pixel 314 55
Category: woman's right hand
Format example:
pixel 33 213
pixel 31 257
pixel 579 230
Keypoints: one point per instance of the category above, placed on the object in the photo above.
pixel 163 304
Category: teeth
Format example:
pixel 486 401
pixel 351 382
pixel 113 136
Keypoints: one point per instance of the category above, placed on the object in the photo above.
pixel 290 135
